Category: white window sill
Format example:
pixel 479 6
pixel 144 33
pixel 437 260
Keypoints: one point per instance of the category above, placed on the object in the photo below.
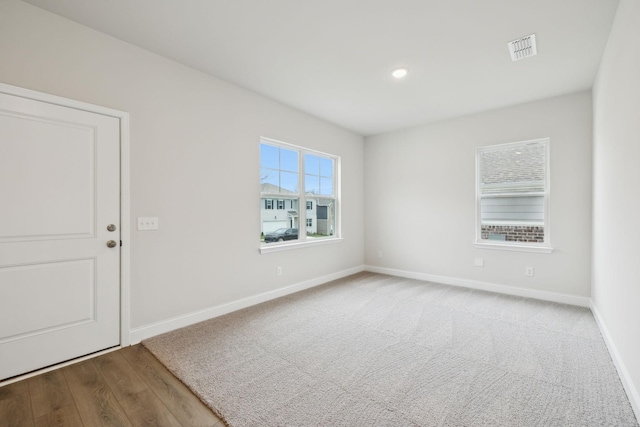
pixel 279 247
pixel 514 247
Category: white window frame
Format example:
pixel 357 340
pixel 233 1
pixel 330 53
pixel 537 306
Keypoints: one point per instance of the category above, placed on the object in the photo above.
pixel 302 201
pixel 539 247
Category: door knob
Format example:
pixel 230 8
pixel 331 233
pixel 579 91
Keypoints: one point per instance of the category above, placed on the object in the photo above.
pixel 111 227
pixel 112 244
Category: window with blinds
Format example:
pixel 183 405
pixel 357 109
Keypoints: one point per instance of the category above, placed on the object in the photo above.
pixel 512 193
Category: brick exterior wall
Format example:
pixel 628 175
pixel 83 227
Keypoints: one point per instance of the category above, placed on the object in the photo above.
pixel 515 233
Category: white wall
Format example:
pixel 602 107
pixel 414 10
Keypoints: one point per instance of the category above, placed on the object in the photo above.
pixel 616 173
pixel 420 197
pixel 194 163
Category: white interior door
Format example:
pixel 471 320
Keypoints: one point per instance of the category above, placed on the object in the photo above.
pixel 59 191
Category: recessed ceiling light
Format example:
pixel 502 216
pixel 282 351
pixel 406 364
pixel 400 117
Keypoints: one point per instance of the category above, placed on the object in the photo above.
pixel 399 73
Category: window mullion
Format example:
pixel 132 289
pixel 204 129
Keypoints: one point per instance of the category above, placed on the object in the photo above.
pixel 302 213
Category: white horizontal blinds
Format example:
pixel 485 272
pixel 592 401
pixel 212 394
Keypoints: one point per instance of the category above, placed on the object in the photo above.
pixel 512 184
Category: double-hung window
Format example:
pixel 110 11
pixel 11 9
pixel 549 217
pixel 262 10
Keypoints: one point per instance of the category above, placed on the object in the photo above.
pixel 297 177
pixel 512 196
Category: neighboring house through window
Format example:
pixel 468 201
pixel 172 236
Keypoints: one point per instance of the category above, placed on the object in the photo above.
pixel 512 196
pixel 292 176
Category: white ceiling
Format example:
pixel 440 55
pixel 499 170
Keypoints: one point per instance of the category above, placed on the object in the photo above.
pixel 332 58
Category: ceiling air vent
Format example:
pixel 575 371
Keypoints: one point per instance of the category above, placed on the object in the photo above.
pixel 523 47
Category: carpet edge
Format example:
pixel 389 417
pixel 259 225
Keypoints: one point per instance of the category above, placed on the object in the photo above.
pixel 136 335
pixel 484 286
pixel 632 393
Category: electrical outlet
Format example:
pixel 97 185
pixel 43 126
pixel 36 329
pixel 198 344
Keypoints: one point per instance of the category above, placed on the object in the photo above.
pixel 479 262
pixel 279 270
pixel 528 271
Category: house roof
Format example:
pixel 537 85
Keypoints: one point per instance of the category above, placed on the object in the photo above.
pixel 521 164
pixel 268 188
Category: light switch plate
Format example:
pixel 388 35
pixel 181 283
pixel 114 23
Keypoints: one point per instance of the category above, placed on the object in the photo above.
pixel 146 223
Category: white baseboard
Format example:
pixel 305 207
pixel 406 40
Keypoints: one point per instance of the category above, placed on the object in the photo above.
pixel 484 286
pixel 627 383
pixel 138 334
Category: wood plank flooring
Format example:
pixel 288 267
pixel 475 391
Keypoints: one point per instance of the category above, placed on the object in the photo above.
pixel 127 387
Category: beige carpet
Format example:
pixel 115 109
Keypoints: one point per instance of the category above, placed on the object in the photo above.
pixel 374 350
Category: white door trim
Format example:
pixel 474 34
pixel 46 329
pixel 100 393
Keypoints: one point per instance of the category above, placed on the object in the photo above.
pixel 125 179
